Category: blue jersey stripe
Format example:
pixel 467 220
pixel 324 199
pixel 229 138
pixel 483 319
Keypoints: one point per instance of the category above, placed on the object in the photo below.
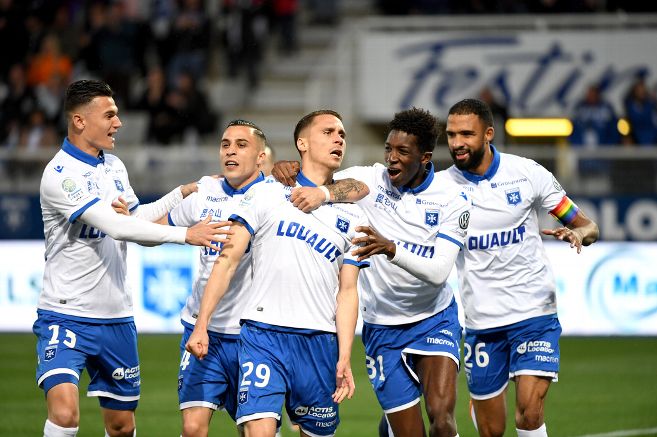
pixel 353 262
pixel 239 219
pixel 79 212
pixel 448 238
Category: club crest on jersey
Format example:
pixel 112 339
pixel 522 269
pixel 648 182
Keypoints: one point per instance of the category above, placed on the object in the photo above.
pixel 243 397
pixel 119 185
pixel 342 224
pixel 431 217
pixel 513 196
pixel 49 353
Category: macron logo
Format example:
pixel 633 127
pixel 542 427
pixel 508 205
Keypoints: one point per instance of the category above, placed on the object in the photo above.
pixel 59 168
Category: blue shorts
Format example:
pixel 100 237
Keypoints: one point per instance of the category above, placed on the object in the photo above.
pixel 493 356
pixel 292 367
pixel 390 352
pixel 212 381
pixel 108 351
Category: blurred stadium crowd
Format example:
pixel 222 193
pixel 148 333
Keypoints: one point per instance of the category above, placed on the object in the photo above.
pixel 158 55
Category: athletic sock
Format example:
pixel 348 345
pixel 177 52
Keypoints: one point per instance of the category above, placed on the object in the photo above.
pixel 52 430
pixel 540 432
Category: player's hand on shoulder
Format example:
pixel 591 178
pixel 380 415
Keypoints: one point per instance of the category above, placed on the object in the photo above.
pixel 344 381
pixel 188 189
pixel 370 243
pixel 197 344
pixel 307 199
pixel 286 172
pixel 120 206
pixel 572 236
pixel 205 233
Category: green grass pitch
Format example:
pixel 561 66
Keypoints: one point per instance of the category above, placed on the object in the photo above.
pixel 606 385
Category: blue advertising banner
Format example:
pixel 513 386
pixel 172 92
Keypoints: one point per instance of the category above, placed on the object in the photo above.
pixel 608 289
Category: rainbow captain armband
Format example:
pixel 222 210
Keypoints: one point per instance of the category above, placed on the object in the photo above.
pixel 565 211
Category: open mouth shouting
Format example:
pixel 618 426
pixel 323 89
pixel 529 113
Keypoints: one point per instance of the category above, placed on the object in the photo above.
pixel 394 174
pixel 231 164
pixel 336 153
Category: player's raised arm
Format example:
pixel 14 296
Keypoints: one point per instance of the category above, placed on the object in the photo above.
pixel 160 208
pixel 344 190
pixel 308 199
pixel 286 172
pixel 120 227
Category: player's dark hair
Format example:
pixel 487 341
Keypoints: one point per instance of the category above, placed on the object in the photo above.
pixel 82 92
pixel 418 122
pixel 307 120
pixel 473 106
pixel 256 130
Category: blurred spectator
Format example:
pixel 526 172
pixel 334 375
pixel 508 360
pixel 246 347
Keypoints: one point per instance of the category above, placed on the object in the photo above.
pixel 191 107
pixel 641 113
pixel 16 106
pixel 163 124
pixel 190 36
pixel 66 30
pixel 500 113
pixel 49 61
pixel 35 33
pixel 324 11
pixel 246 30
pixel 50 98
pixel 13 35
pixel 594 124
pixel 38 132
pixel 113 47
pixel 162 14
pixel 285 17
pixel 594 121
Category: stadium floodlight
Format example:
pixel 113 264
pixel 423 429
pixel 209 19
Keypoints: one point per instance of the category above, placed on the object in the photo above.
pixel 539 127
pixel 623 127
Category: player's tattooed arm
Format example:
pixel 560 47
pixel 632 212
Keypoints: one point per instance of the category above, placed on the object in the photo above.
pixel 347 190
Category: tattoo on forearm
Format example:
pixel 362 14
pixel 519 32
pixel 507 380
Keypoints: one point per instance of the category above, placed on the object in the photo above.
pixel 342 188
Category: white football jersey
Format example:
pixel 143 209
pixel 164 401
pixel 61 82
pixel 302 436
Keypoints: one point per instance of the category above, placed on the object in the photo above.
pixel 218 199
pixel 296 256
pixel 504 274
pixel 413 219
pixel 85 271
